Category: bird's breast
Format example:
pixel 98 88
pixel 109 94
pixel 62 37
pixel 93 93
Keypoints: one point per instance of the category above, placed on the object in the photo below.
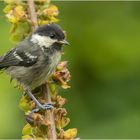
pixel 54 60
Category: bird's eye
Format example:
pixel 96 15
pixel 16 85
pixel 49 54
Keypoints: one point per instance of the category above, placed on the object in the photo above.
pixel 52 36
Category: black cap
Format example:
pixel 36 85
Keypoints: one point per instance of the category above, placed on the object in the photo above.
pixel 52 30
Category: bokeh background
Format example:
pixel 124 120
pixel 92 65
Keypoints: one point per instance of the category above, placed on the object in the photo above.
pixel 104 60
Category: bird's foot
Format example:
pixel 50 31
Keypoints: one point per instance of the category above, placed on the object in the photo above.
pixel 46 106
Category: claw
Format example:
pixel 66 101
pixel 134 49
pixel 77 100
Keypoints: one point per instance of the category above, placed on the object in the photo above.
pixel 44 107
pixel 47 106
pixel 29 117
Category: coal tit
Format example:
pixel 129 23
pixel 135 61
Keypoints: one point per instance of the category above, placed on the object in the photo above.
pixel 35 58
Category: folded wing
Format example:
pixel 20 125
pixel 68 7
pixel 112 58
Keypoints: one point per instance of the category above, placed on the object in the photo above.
pixel 16 57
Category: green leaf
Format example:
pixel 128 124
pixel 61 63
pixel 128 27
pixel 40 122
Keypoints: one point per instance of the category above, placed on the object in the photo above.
pixel 27 137
pixel 24 104
pixel 53 88
pixel 20 31
pixel 8 8
pixel 63 122
pixel 27 130
pixel 70 133
pixel 13 28
pixel 13 1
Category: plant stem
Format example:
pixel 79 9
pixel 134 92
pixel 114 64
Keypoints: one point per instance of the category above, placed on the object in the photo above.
pixel 51 135
pixel 49 113
pixel 32 14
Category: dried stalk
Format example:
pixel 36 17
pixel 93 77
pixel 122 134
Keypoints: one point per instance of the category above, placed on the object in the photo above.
pixel 51 135
pixel 32 14
pixel 49 114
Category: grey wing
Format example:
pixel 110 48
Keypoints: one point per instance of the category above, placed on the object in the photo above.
pixel 25 54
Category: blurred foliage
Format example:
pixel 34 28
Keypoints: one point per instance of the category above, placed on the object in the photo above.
pixel 105 64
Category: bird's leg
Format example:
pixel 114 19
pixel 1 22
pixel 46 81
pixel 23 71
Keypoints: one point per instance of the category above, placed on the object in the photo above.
pixel 40 106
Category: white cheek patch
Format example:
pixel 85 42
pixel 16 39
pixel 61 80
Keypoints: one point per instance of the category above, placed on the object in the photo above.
pixel 42 40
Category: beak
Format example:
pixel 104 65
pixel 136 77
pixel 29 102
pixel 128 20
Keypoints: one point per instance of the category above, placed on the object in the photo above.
pixel 65 42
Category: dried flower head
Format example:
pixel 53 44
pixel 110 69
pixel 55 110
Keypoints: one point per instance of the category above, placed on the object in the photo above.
pixel 16 14
pixel 62 75
pixel 51 11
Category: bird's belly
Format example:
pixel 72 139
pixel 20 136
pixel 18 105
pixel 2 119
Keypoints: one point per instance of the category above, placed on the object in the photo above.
pixel 35 75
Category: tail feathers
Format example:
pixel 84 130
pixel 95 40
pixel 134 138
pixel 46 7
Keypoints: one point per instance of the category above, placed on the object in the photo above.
pixel 1 64
pixel 1 58
pixel 1 67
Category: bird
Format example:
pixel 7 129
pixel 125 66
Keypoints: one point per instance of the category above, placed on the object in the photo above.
pixel 35 58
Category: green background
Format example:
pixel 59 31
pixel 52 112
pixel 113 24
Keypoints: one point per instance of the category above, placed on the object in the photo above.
pixel 104 60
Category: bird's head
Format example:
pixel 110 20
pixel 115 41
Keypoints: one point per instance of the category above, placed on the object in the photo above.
pixel 49 34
